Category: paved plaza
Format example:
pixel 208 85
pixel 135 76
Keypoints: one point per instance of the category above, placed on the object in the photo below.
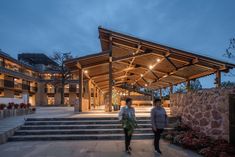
pixel 141 148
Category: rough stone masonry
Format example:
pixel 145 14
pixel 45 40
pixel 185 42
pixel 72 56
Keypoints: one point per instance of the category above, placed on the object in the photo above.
pixel 205 111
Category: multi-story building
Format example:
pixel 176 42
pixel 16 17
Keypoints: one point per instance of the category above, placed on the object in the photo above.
pixel 32 77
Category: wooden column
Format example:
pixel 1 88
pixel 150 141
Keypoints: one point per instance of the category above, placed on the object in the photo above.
pixel 110 75
pixel 89 93
pixel 98 97
pixel 218 79
pixel 110 86
pixel 188 85
pixel 171 89
pixel 94 97
pixel 160 93
pixel 80 90
pixel 152 97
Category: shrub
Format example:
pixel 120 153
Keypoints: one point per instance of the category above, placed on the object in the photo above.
pixel 10 105
pixel 28 105
pixel 16 106
pixel 23 105
pixel 2 106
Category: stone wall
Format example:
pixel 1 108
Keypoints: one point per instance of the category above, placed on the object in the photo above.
pixel 205 111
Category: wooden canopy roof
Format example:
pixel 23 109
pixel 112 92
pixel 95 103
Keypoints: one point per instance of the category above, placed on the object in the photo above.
pixel 143 63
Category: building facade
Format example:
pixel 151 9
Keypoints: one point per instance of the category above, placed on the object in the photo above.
pixel 31 79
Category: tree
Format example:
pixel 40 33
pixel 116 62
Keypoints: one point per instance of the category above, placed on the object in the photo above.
pixel 228 84
pixel 65 74
pixel 194 85
pixel 230 51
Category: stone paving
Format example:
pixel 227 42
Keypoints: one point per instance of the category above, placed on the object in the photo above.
pixel 140 148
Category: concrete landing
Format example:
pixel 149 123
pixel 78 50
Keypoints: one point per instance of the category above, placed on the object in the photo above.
pixel 140 148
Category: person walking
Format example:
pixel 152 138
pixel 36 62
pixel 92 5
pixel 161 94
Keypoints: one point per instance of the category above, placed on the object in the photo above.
pixel 159 121
pixel 128 119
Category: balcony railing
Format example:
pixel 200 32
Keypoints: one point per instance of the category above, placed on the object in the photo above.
pixel 17 85
pixel 33 89
pixel 25 87
pixel 8 84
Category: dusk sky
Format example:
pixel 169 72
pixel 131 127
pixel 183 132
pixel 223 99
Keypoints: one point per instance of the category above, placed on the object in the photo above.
pixel 199 26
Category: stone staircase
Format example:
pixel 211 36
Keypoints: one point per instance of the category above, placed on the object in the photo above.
pixel 87 128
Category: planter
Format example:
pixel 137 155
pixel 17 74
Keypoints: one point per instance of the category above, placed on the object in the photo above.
pixel 1 114
pixel 15 112
pixel 115 107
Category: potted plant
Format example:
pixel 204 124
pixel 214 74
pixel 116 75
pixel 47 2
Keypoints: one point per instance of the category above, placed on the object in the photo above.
pixel 2 107
pixel 115 107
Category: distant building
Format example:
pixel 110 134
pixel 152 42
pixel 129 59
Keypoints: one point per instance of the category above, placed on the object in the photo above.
pixel 32 76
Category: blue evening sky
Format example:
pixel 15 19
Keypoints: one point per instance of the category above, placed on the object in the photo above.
pixel 200 26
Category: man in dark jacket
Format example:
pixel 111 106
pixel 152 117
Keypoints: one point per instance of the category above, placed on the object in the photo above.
pixel 159 121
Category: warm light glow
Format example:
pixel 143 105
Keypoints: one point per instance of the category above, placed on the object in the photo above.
pixel 85 71
pixel 141 75
pixel 158 60
pixel 150 67
pixel 145 85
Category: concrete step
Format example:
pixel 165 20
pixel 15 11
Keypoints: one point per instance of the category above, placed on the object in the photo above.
pixel 91 126
pixel 81 131
pixel 80 122
pixel 88 128
pixel 81 118
pixel 87 119
pixel 79 137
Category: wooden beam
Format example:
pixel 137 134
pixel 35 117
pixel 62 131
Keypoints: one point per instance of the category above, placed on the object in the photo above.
pixel 154 74
pixel 116 59
pixel 95 64
pixel 131 56
pixel 79 65
pixel 206 73
pixel 169 60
